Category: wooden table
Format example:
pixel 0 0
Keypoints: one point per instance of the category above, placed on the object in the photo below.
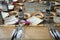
pixel 6 32
pixel 36 33
pixel 29 32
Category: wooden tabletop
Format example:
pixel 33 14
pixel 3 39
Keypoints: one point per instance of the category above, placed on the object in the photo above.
pixel 5 32
pixel 36 33
pixel 29 32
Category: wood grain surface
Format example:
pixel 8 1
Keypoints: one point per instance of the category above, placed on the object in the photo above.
pixel 36 33
pixel 5 32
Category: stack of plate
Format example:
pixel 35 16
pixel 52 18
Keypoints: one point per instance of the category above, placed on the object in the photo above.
pixel 10 20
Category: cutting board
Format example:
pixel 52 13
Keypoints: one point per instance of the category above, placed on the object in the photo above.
pixel 5 32
pixel 36 33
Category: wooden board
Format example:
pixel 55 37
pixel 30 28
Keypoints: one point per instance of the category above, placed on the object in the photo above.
pixel 5 32
pixel 36 33
pixel 58 28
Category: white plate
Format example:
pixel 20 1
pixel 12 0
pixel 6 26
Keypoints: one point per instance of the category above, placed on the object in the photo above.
pixel 15 0
pixel 34 20
pixel 10 6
